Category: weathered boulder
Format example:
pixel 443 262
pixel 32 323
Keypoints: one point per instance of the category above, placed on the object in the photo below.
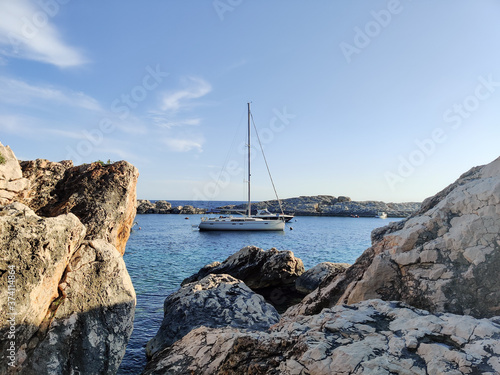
pixel 36 251
pixel 90 329
pixel 372 337
pixel 145 207
pixel 74 301
pixel 12 182
pixel 443 259
pixel 215 301
pixel 271 273
pixel 257 268
pixel 43 175
pixel 313 277
pixel 162 206
pixel 103 197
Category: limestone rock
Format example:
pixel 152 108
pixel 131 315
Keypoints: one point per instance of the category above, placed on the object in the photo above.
pixel 43 176
pixel 215 301
pixel 372 337
pixel 312 278
pixel 257 268
pixel 102 197
pixel 38 250
pixel 90 329
pixel 443 259
pixel 12 182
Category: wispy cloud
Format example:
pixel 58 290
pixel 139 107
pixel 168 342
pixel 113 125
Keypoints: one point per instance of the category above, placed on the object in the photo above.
pixel 26 32
pixel 185 144
pixel 17 92
pixel 168 122
pixel 193 88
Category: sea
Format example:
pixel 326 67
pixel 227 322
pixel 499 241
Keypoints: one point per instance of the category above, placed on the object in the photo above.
pixel 165 249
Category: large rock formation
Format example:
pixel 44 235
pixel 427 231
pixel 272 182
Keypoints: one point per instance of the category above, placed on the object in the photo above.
pixel 327 205
pixel 69 301
pixel 215 301
pixel 372 337
pixel 103 197
pixel 443 259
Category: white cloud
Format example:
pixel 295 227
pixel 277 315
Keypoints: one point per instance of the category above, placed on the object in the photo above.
pixel 17 92
pixel 185 144
pixel 26 32
pixel 194 88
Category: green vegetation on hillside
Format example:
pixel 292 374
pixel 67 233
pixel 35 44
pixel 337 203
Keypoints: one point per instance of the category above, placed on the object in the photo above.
pixel 2 159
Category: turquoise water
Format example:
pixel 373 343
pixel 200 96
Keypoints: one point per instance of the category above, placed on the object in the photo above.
pixel 166 250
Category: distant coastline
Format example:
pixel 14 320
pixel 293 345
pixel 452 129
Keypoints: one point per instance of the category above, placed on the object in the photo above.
pixel 319 205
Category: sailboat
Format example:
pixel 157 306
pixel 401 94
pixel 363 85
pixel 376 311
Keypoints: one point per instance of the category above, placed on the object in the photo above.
pixel 244 222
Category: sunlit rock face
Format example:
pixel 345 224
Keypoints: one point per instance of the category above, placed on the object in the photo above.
pixel 70 302
pixel 12 181
pixel 445 258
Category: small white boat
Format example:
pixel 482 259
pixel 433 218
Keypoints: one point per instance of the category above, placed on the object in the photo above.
pixel 244 222
pixel 381 215
pixel 265 214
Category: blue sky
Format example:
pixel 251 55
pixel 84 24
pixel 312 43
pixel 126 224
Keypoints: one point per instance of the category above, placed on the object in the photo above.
pixel 377 100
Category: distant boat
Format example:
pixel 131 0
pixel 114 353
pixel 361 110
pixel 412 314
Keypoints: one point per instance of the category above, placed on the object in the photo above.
pixel 381 215
pixel 244 222
pixel 265 214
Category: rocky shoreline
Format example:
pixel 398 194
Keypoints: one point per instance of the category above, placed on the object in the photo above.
pixel 319 205
pixel 163 207
pixel 423 299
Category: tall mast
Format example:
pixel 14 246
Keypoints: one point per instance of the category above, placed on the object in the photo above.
pixel 249 204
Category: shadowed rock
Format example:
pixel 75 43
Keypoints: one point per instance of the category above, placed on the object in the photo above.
pixel 312 278
pixel 256 267
pixel 271 273
pixel 215 301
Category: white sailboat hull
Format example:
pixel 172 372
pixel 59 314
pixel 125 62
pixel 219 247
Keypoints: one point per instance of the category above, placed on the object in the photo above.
pixel 241 225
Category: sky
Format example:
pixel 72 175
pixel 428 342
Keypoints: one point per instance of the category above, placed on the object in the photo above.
pixel 376 100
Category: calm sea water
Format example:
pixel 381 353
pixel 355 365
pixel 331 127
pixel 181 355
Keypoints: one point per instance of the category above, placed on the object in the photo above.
pixel 166 250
